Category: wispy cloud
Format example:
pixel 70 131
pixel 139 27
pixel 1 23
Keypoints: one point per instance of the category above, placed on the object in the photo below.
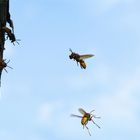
pixel 47 112
pixel 105 5
pixel 131 21
pixel 123 103
pixel 102 6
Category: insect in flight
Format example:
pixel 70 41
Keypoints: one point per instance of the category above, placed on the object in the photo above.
pixel 80 58
pixel 85 118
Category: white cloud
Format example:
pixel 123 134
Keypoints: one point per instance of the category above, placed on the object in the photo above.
pixel 123 103
pixel 102 6
pixel 131 21
pixel 105 5
pixel 47 112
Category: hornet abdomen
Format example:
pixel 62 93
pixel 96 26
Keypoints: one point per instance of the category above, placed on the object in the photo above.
pixel 82 64
pixel 84 121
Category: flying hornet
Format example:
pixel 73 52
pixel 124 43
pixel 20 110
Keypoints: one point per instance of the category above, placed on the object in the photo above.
pixel 79 58
pixel 85 118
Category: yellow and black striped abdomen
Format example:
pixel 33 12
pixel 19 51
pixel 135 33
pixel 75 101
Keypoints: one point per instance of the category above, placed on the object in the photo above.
pixel 82 64
pixel 84 121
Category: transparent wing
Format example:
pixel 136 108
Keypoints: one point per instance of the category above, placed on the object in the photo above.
pixel 92 111
pixel 95 116
pixel 73 115
pixel 82 111
pixel 86 56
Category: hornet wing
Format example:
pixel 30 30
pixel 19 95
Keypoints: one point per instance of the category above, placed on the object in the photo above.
pixel 86 56
pixel 82 111
pixel 73 115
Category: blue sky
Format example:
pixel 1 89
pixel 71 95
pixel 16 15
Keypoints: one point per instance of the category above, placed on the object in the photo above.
pixel 45 86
